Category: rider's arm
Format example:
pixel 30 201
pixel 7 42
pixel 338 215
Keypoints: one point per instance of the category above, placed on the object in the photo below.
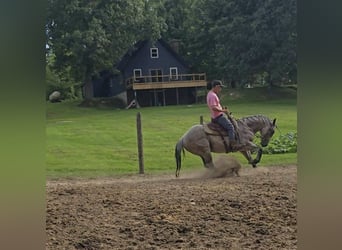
pixel 219 109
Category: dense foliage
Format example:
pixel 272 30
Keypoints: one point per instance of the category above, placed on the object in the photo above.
pixel 286 143
pixel 238 41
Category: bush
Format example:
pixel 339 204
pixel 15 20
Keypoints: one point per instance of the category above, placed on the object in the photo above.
pixel 103 102
pixel 286 143
pixel 57 82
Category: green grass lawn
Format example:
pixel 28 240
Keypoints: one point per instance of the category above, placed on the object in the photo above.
pixel 93 142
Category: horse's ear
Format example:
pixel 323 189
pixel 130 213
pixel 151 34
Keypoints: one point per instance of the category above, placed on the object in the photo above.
pixel 274 121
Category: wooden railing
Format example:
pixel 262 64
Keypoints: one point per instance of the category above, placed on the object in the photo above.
pixel 166 81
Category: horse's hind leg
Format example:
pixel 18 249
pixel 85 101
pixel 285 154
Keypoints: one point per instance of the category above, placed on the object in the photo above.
pixel 207 160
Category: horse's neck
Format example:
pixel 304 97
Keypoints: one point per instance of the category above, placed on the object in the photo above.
pixel 255 127
pixel 254 123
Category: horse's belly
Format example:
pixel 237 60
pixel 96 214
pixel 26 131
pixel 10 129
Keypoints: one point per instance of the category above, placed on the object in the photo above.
pixel 217 145
pixel 196 146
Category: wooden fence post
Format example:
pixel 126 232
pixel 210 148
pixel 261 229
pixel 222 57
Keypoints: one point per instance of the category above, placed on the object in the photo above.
pixel 201 119
pixel 140 144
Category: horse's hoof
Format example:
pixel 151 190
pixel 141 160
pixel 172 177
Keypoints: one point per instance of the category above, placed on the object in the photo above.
pixel 255 161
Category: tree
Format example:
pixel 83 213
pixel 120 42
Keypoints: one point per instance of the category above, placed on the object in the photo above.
pixel 176 14
pixel 236 40
pixel 89 36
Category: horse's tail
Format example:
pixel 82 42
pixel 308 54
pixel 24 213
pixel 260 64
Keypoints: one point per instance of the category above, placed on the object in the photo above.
pixel 178 149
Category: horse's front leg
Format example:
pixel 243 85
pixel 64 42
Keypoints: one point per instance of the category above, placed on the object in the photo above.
pixel 248 155
pixel 254 148
pixel 258 157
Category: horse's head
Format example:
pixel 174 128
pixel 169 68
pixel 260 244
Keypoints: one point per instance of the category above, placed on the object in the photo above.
pixel 267 133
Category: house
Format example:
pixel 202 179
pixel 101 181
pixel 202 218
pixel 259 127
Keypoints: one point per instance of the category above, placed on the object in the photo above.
pixel 151 74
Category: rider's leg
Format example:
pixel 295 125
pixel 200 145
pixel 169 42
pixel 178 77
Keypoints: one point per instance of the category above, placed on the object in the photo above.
pixel 226 124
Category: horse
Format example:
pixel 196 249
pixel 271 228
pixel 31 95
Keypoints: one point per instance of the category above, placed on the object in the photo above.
pixel 201 141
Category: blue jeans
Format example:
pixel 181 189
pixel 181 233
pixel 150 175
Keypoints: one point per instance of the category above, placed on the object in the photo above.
pixel 227 125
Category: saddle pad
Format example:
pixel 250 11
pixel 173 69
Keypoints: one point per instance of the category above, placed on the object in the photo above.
pixel 214 129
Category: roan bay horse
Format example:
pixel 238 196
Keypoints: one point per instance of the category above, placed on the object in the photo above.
pixel 201 141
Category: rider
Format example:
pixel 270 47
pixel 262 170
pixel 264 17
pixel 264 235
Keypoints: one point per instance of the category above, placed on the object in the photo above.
pixel 219 114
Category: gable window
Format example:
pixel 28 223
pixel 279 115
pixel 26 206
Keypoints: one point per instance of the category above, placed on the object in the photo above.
pixel 154 53
pixel 137 75
pixel 173 73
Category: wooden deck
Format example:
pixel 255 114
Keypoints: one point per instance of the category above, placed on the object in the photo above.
pixel 166 81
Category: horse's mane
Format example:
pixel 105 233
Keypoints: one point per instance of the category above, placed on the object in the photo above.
pixel 256 120
pixel 246 124
pixel 245 133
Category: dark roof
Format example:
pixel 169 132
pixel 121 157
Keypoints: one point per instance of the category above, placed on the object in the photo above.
pixel 173 52
pixel 130 54
pixel 136 48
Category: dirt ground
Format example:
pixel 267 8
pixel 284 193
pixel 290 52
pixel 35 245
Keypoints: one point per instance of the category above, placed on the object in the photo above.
pixel 196 211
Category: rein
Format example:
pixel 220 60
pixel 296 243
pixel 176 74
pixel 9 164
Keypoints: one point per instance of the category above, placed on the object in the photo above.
pixel 278 129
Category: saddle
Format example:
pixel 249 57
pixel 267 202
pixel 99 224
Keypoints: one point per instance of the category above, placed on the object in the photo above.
pixel 216 129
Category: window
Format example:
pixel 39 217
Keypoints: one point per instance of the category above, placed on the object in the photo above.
pixel 137 75
pixel 156 75
pixel 154 53
pixel 173 73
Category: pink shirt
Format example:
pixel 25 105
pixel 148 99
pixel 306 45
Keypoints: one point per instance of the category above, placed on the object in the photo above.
pixel 213 101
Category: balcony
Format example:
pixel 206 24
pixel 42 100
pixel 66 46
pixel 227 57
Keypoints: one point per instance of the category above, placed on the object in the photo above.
pixel 166 81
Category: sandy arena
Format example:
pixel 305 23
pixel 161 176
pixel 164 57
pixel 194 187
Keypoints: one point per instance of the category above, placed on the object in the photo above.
pixel 196 211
